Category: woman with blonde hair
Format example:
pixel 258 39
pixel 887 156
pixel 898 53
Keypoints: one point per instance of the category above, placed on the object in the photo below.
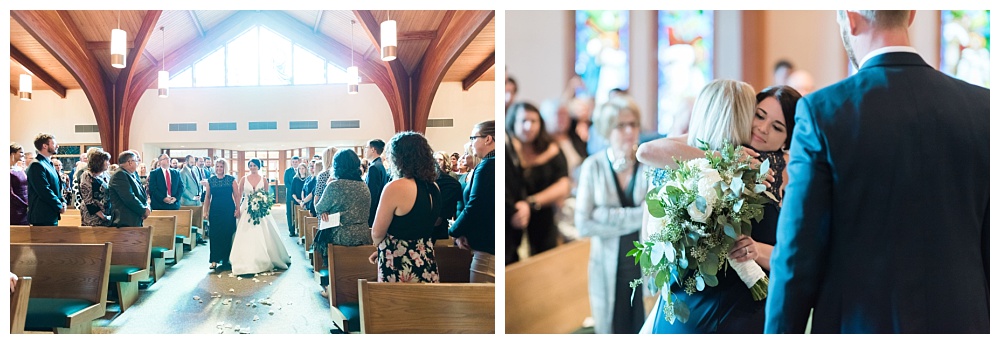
pixel 723 112
pixel 323 177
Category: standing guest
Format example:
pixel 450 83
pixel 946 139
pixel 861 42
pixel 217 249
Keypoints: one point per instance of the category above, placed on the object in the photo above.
pixel 18 187
pixel 364 169
pixel 94 209
pixel 301 173
pixel 409 207
pixel 165 186
pixel 376 177
pixel 129 205
pixel 45 202
pixel 75 176
pixel 324 176
pixel 174 164
pixel 474 227
pixel 782 69
pixel 209 168
pixel 510 90
pixel 454 162
pixel 64 190
pixel 289 209
pixel 315 167
pixel 348 196
pixel 517 212
pixel 191 182
pixel 220 211
pixel 29 157
pixel 861 237
pixel 451 194
pixel 545 174
pixel 609 207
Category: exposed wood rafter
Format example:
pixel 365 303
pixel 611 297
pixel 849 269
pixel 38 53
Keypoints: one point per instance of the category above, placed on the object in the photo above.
pixel 401 102
pixel 478 73
pixel 37 71
pixel 128 88
pixel 106 45
pixel 416 35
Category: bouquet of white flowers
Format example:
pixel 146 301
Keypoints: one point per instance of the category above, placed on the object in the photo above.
pixel 698 211
pixel 259 204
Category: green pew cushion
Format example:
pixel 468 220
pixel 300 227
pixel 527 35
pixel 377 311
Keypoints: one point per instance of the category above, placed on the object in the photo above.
pixel 158 252
pixel 351 311
pixel 194 229
pixel 120 273
pixel 179 238
pixel 44 314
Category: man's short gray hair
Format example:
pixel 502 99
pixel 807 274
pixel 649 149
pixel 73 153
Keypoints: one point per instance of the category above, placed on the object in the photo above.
pixel 881 19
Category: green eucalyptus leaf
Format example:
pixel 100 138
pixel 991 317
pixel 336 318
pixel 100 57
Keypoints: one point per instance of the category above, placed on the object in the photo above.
pixel 729 230
pixel 699 283
pixel 682 263
pixel 759 188
pixel 736 185
pixel 764 167
pixel 711 280
pixel 738 205
pixel 645 262
pixel 681 311
pixel 655 208
pixel 701 203
pixel 661 279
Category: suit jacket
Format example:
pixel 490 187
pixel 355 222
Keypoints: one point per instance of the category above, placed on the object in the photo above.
pixel 885 224
pixel 475 222
pixel 45 199
pixel 128 200
pixel 451 194
pixel 289 175
pixel 376 180
pixel 192 189
pixel 158 189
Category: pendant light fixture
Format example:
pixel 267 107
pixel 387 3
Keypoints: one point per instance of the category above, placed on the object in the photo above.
pixel 24 91
pixel 118 45
pixel 352 71
pixel 163 77
pixel 388 39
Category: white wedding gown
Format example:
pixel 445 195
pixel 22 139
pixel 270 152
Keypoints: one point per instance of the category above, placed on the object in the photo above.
pixel 256 248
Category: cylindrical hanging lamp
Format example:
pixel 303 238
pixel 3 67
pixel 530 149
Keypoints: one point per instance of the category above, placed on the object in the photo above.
pixel 352 71
pixel 118 46
pixel 24 91
pixel 388 39
pixel 163 77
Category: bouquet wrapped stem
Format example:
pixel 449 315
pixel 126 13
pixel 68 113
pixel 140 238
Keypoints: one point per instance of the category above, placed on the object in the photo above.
pixel 753 276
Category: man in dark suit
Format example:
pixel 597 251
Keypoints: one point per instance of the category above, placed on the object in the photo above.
pixel 376 177
pixel 127 196
pixel 474 226
pixel 165 186
pixel 289 202
pixel 45 202
pixel 884 226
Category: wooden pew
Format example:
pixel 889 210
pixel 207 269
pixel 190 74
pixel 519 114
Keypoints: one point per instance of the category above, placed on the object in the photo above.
pixel 547 293
pixel 311 225
pixel 19 304
pixel 197 220
pixel 301 214
pixel 70 219
pixel 129 259
pixel 182 230
pixel 163 242
pixel 346 265
pixel 69 284
pixel 426 307
pixel 453 263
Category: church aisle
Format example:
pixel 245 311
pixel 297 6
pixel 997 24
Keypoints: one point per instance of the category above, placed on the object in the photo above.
pixel 283 302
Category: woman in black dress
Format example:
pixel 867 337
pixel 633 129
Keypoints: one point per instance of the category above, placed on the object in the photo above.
pixel 220 210
pixel 546 175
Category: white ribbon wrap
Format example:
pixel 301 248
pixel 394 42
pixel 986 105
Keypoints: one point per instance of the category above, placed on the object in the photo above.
pixel 749 271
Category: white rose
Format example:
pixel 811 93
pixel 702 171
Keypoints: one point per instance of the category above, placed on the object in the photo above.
pixel 706 185
pixel 697 215
pixel 700 163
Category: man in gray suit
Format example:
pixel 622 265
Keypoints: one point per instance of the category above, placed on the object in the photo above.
pixel 885 222
pixel 191 178
pixel 129 204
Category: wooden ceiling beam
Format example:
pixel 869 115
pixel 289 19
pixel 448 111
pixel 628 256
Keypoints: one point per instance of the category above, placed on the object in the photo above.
pixel 416 35
pixel 129 88
pixel 399 78
pixel 37 71
pixel 439 57
pixel 56 31
pixel 197 23
pixel 106 45
pixel 13 90
pixel 478 73
pixel 150 57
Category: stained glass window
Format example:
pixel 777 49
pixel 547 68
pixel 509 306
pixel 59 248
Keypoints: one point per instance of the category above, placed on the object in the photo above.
pixel 602 51
pixel 965 45
pixel 684 55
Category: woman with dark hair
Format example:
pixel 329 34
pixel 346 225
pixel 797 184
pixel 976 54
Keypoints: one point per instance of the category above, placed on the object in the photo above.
pixel 18 187
pixel 256 247
pixel 474 228
pixel 95 210
pixel 347 197
pixel 407 212
pixel 545 176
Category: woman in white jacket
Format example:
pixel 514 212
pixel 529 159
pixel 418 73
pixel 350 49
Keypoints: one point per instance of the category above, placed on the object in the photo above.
pixel 609 207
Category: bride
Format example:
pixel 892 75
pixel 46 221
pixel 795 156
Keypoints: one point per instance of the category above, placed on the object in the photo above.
pixel 256 248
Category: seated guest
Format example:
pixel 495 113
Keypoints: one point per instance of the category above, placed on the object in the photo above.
pixel 474 228
pixel 94 210
pixel 347 195
pixel 409 207
pixel 451 194
pixel 165 186
pixel 18 187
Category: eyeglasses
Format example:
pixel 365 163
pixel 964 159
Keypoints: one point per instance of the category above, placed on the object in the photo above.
pixel 623 125
pixel 474 137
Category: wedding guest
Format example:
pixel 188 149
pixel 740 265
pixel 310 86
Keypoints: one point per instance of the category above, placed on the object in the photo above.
pixel 301 173
pixel 95 210
pixel 174 164
pixel 29 157
pixel 309 188
pixel 129 205
pixel 65 193
pixel 610 201
pixel 45 202
pixel 377 178
pixel 209 168
pixel 220 211
pixel 451 194
pixel 470 160
pixel 323 177
pixel 516 210
pixel 545 173
pixel 289 200
pixel 165 186
pixel 510 90
pixel 143 174
pixel 18 187
pixel 444 162
pixel 473 228
pixel 410 205
pixel 782 69
pixel 454 161
pixel 346 195
pixel 364 169
pixel 191 178
pixel 889 173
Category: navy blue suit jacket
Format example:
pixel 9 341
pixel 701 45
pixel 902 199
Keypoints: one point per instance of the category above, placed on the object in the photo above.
pixel 884 227
pixel 158 189
pixel 44 193
pixel 376 180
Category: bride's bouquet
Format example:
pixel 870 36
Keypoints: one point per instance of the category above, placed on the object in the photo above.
pixel 259 204
pixel 698 210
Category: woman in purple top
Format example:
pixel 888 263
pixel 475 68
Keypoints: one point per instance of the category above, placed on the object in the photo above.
pixel 18 187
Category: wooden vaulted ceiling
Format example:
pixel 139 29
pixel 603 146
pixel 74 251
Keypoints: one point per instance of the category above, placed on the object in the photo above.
pixel 71 50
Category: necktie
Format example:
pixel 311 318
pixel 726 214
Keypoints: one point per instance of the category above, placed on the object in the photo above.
pixel 167 172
